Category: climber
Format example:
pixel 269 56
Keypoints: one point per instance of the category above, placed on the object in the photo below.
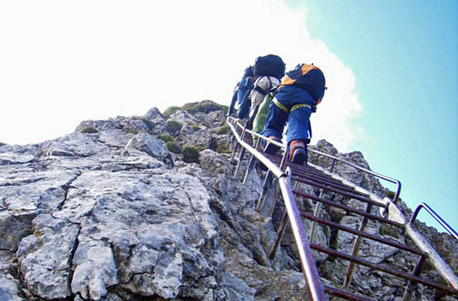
pixel 268 71
pixel 259 120
pixel 240 98
pixel 296 99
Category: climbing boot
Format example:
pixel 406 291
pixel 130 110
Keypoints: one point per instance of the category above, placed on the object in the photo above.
pixel 270 147
pixel 297 152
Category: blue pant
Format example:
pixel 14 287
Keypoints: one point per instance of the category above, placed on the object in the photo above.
pixel 244 102
pixel 243 97
pixel 288 106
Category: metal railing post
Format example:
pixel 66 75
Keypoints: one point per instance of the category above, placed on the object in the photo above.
pixel 410 283
pixel 435 216
pixel 264 189
pixel 356 247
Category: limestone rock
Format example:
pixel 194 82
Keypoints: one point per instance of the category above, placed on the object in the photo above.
pixel 108 213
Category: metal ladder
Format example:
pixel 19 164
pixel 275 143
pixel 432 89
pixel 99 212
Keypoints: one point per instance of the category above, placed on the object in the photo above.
pixel 285 173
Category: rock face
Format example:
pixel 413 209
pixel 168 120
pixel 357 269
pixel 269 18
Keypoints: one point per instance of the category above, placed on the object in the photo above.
pixel 109 213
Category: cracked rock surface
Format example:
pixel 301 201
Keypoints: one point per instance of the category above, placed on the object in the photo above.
pixel 113 215
pixel 109 213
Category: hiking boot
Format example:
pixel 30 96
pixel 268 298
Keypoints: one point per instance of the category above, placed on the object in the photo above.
pixel 297 152
pixel 272 148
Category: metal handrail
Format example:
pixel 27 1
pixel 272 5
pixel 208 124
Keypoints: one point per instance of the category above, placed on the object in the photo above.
pixel 284 183
pixel 435 216
pixel 368 171
pixel 334 159
pixel 309 269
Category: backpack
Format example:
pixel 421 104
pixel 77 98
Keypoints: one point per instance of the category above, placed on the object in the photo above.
pixel 262 86
pixel 261 115
pixel 269 65
pixel 307 77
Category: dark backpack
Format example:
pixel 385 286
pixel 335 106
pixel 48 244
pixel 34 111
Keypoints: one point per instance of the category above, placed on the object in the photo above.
pixel 269 65
pixel 307 77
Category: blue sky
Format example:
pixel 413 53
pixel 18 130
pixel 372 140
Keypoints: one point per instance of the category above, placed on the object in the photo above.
pixel 404 56
pixel 391 69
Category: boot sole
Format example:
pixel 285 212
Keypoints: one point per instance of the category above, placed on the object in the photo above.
pixel 299 157
pixel 271 148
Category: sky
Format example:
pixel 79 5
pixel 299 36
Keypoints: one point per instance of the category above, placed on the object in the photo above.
pixel 390 67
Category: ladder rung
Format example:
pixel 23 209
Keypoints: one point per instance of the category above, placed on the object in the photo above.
pixel 362 234
pixel 347 208
pixel 384 269
pixel 345 294
pixel 338 191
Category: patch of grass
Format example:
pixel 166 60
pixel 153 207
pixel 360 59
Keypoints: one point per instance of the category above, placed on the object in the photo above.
pixel 130 130
pixel 390 194
pixel 196 128
pixel 388 230
pixel 205 106
pixel 149 124
pixel 173 147
pixel 174 127
pixel 170 110
pixel 223 130
pixel 190 154
pixel 223 149
pixel 89 130
pixel 166 138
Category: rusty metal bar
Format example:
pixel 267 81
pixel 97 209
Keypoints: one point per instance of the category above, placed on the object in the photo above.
pixel 237 169
pixel 374 266
pixel 338 191
pixel 279 236
pixel 277 195
pixel 315 289
pixel 309 269
pixel 370 172
pixel 236 145
pixel 347 208
pixel 316 213
pixel 443 268
pixel 333 165
pixel 341 293
pixel 363 234
pixel 300 237
pixel 265 187
pixel 416 272
pixel 435 216
pixel 326 183
pixel 249 168
pixel 356 247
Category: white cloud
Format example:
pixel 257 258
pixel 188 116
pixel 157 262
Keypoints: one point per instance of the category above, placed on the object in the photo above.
pixel 63 62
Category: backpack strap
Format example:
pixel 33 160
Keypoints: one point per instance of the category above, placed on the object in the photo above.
pixel 295 107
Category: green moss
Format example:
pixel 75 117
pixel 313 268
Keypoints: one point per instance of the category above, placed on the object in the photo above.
pixel 205 106
pixel 326 231
pixel 89 130
pixel 190 154
pixel 223 150
pixel 196 128
pixel 166 138
pixel 173 147
pixel 388 230
pixel 223 130
pixel 130 130
pixel 390 194
pixel 170 110
pixel 174 127
pixel 149 124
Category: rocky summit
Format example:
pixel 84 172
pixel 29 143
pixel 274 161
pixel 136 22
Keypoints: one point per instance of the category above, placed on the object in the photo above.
pixel 146 208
